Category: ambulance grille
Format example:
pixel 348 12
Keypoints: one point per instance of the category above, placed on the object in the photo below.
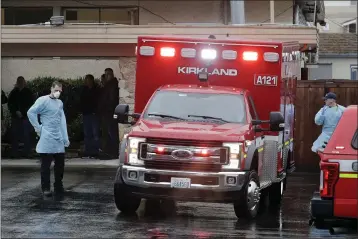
pixel 181 142
pixel 180 166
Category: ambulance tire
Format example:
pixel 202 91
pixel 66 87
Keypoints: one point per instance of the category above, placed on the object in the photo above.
pixel 275 193
pixel 125 201
pixel 248 205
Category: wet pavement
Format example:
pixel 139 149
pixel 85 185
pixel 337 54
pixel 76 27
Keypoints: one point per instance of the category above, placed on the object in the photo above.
pixel 88 211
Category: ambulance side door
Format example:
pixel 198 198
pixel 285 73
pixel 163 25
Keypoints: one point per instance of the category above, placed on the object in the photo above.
pixel 258 136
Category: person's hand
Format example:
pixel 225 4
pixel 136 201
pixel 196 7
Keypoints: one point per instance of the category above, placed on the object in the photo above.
pixel 324 108
pixel 38 131
pixel 18 113
pixel 67 143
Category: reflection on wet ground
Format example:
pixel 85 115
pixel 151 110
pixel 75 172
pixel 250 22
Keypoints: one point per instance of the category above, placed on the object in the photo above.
pixel 88 211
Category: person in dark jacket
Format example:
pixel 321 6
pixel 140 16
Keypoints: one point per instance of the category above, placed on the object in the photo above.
pixel 3 101
pixel 91 124
pixel 108 102
pixel 20 101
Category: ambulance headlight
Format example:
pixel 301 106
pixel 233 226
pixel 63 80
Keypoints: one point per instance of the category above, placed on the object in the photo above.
pixel 133 149
pixel 208 54
pixel 234 156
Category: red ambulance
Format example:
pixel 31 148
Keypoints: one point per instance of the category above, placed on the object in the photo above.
pixel 213 121
pixel 338 195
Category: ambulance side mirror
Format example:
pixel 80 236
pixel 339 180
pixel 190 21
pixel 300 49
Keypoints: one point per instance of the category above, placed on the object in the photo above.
pixel 277 121
pixel 121 114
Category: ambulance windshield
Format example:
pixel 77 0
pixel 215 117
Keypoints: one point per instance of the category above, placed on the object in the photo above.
pixel 220 108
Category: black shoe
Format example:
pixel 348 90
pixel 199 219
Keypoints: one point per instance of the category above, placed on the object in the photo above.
pixel 47 193
pixel 61 190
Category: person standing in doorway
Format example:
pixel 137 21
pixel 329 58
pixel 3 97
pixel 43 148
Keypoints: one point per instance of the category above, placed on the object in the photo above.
pixel 89 105
pixel 19 102
pixel 109 101
pixel 328 116
pixel 53 137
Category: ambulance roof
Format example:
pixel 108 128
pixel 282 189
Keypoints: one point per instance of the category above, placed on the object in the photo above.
pixel 202 89
pixel 218 40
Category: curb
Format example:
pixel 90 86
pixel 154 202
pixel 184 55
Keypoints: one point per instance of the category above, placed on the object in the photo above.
pixel 75 164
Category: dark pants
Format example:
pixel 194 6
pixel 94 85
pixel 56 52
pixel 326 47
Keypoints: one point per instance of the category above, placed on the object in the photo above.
pixel 91 131
pixel 20 131
pixel 46 160
pixel 110 136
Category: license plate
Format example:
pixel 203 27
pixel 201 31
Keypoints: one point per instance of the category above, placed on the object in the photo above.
pixel 180 182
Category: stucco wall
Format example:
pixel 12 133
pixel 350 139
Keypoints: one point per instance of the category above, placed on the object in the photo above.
pixel 194 11
pixel 340 66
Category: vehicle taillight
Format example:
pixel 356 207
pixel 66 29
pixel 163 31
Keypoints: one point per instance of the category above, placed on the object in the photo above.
pixel 329 177
pixel 250 56
pixel 167 51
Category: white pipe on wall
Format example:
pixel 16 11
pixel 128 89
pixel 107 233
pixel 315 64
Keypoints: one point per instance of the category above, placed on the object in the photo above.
pixel 272 11
pixel 237 12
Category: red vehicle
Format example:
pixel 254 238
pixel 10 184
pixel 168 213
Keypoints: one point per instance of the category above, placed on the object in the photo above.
pixel 213 121
pixel 338 195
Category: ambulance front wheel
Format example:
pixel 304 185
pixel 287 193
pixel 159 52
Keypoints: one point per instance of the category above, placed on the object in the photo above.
pixel 125 201
pixel 248 204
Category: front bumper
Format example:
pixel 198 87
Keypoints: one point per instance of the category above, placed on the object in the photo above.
pixel 205 186
pixel 321 208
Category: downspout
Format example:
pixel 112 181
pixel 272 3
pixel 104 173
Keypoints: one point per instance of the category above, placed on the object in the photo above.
pixel 237 12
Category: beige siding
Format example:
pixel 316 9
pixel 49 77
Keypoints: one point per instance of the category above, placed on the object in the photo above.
pixel 195 11
pixel 259 11
pixel 340 66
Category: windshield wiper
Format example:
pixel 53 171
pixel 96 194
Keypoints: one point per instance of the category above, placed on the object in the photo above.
pixel 209 117
pixel 166 116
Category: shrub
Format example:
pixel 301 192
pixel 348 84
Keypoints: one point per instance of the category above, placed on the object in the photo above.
pixel 70 96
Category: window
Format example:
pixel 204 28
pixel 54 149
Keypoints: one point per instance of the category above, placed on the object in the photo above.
pixel 127 16
pixel 355 140
pixel 197 106
pixel 352 28
pixel 25 15
pixel 354 75
pixel 252 108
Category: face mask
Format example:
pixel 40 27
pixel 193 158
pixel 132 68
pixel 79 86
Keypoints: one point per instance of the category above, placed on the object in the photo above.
pixel 57 94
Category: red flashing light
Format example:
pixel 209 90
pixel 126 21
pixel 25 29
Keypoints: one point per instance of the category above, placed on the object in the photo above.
pixel 204 152
pixel 250 56
pixel 160 149
pixel 167 51
pixel 330 175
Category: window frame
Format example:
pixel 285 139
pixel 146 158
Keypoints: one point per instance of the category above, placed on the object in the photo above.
pixel 134 21
pixel 252 104
pixel 351 70
pixel 354 142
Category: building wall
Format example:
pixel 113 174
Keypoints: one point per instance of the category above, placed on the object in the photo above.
pixel 340 66
pixel 194 11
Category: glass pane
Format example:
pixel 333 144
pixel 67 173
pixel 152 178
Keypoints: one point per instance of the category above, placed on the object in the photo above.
pixel 84 15
pixel 119 16
pixel 2 16
pixel 21 16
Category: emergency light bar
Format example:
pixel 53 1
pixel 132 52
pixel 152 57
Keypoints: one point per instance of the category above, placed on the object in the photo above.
pixel 208 54
pixel 211 54
pixel 167 51
pixel 250 56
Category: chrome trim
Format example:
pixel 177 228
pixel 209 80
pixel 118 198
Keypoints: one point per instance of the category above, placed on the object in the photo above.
pixel 215 153
pixel 222 186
